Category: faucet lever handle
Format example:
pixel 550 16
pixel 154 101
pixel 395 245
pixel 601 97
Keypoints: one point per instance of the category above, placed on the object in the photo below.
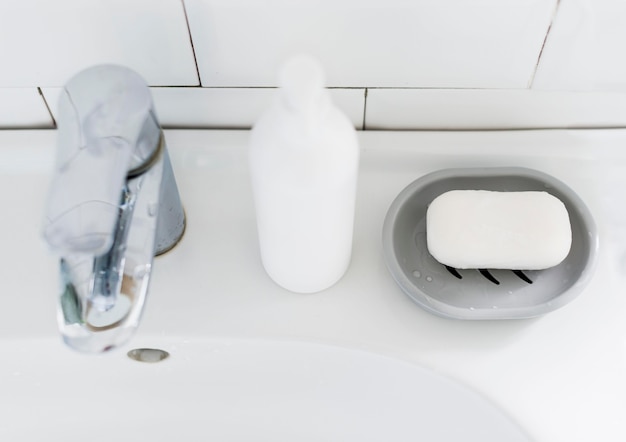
pixel 106 129
pixel 83 202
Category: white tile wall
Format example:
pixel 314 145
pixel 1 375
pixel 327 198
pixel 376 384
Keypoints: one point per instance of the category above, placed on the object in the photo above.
pixel 425 64
pixel 44 43
pixel 235 107
pixel 372 43
pixel 574 55
pixel 585 48
pixel 230 108
pixel 441 109
pixel 23 108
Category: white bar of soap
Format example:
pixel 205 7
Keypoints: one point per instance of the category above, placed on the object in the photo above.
pixel 480 229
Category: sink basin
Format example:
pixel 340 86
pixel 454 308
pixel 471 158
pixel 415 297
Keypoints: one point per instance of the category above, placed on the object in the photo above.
pixel 248 390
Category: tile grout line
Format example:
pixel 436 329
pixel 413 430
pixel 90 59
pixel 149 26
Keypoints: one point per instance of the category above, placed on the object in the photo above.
pixel 193 49
pixel 45 103
pixel 363 125
pixel 531 81
pixel 368 88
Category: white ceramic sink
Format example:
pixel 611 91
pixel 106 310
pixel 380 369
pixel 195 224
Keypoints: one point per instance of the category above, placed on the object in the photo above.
pixel 236 390
pixel 250 361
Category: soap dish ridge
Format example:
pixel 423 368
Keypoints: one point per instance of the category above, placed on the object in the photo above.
pixel 486 293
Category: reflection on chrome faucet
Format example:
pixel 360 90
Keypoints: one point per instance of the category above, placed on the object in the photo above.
pixel 113 204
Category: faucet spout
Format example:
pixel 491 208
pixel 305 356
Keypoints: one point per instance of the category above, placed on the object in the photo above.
pixel 113 205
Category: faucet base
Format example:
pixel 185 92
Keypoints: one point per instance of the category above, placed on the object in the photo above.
pixel 171 218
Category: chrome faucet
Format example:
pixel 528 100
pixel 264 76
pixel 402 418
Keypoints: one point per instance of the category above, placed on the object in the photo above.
pixel 113 205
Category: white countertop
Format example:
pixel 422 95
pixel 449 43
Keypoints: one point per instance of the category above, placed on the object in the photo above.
pixel 562 376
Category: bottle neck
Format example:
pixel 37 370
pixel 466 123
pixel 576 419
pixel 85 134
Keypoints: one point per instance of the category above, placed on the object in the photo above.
pixel 310 112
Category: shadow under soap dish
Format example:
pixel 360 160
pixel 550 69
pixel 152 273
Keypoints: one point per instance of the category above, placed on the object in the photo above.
pixel 484 293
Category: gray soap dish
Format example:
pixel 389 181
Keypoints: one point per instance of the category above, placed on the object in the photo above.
pixel 484 294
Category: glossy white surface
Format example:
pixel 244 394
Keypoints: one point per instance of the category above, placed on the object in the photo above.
pixel 560 377
pixel 386 109
pixel 44 43
pixel 443 109
pixel 486 44
pixel 231 390
pixel 22 108
pixel 584 47
pixel 567 58
pixel 226 108
pixel 490 49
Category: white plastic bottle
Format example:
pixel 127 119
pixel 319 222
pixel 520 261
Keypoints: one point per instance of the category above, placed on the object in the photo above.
pixel 304 163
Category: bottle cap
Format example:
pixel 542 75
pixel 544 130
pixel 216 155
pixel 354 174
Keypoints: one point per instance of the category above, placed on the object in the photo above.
pixel 302 81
